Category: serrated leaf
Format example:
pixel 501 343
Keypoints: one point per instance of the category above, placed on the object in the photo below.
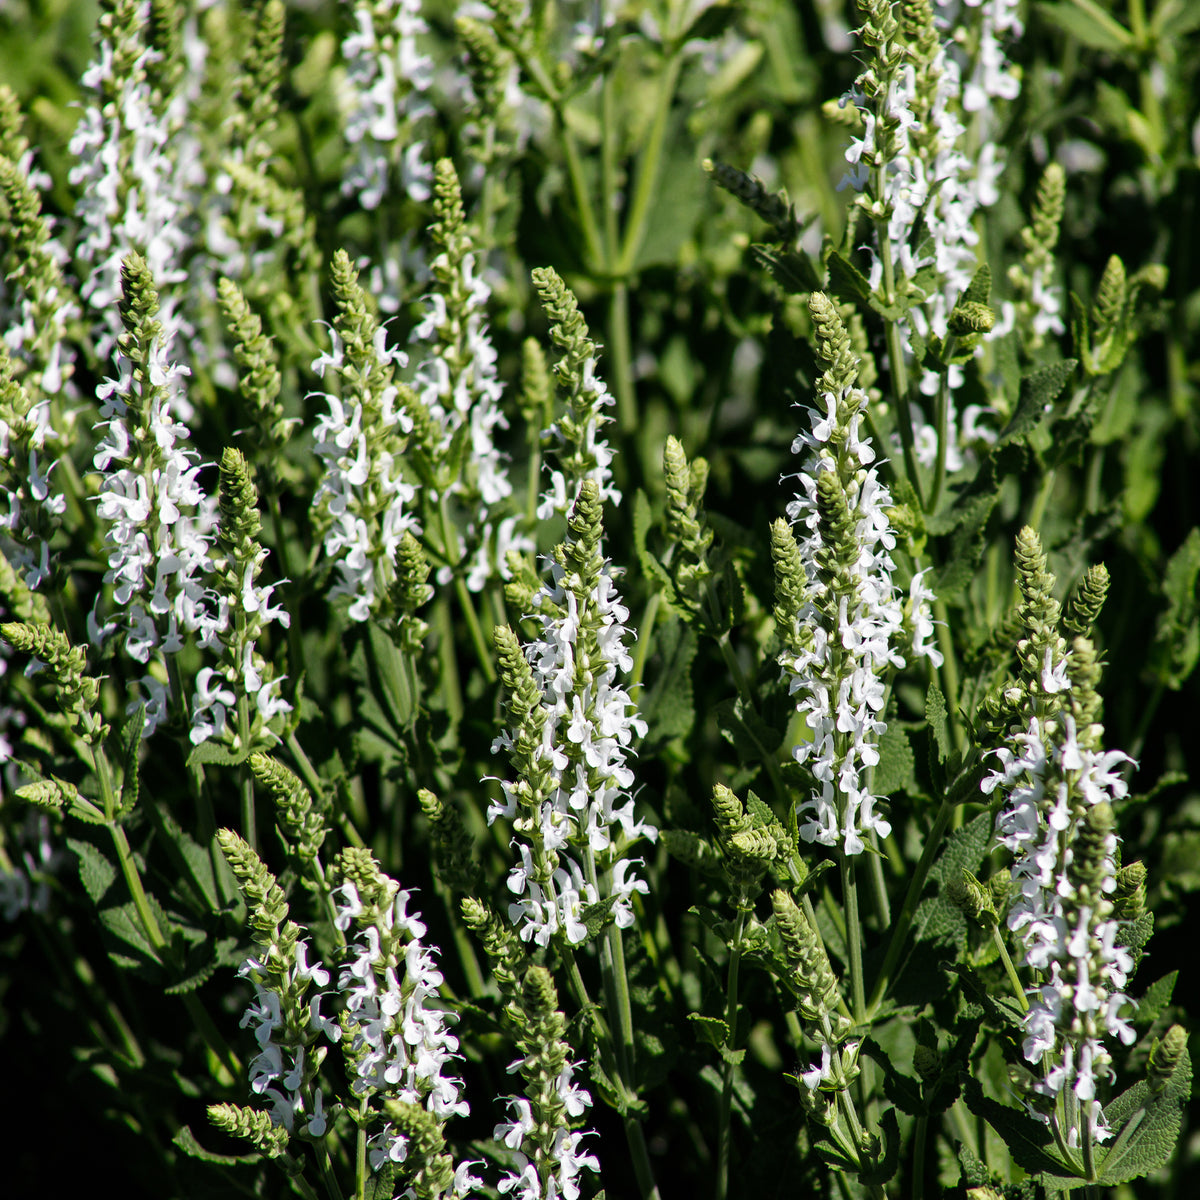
pixel 1029 1141
pixel 215 752
pixel 186 1141
pixel 794 272
pixel 1156 997
pixel 382 1183
pixel 1146 1127
pixel 847 282
pixel 1039 390
pixel 895 771
pixel 879 1174
pixel 194 862
pixel 96 872
pixel 712 1031
pixel 746 731
pixel 596 916
pixel 643 522
pixel 194 980
pixel 1177 636
pixel 132 744
pixel 668 704
pixel 935 715
pixel 1134 935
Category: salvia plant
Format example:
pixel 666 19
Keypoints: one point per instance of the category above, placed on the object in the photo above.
pixel 599 598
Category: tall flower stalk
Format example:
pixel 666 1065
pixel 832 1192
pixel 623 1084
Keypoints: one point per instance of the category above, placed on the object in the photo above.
pixel 1059 787
pixel 845 623
pixel 156 515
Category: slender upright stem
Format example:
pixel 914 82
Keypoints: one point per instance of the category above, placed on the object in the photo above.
pixel 900 929
pixel 731 1017
pixel 853 936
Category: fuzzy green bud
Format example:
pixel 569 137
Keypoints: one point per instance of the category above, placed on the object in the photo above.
pixel 728 812
pixel 454 861
pixel 1090 853
pixel 1083 608
pixel 969 318
pixel 77 692
pixel 689 848
pixel 775 209
pixel 304 823
pixel 1129 898
pixel 502 946
pixel 1165 1056
pixel 427 1165
pixel 811 976
pixel 927 1063
pixel 257 359
pixel 973 898
pixel 252 1125
pixel 264 897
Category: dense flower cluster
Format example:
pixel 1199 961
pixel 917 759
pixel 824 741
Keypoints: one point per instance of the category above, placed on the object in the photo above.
pixel 132 174
pixel 915 111
pixel 385 101
pixel 397 1041
pixel 364 498
pixel 1056 822
pixel 572 729
pixel 157 517
pixel 282 1071
pixel 458 383
pixel 851 628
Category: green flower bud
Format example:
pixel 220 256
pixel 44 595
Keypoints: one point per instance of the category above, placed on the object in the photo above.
pixel 1165 1056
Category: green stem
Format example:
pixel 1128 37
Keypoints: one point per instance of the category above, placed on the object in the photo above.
pixel 908 910
pixel 465 603
pixel 853 935
pixel 920 1137
pixel 731 1017
pixel 1010 970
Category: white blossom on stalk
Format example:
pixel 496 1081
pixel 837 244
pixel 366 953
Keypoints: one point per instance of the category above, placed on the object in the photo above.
pixel 575 437
pixel 458 384
pixel 938 167
pixel 237 702
pixel 385 100
pixel 397 1043
pixel 133 175
pixel 364 500
pixel 847 628
pixel 1057 824
pixel 572 727
pixel 156 516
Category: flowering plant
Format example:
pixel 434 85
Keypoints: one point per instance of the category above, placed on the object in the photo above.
pixel 533 661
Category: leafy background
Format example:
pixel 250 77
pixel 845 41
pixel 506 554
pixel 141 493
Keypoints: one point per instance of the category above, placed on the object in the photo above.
pixel 718 362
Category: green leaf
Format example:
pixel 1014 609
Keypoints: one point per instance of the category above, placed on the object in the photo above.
pixel 939 929
pixel 668 705
pixel 654 571
pixel 1176 647
pixel 1106 35
pixel 1039 390
pixel 1156 997
pixel 97 872
pixel 847 282
pixel 1147 1127
pixel 712 1031
pixel 746 731
pixel 935 715
pixel 794 272
pixel 1134 935
pixel 216 752
pixel 885 1168
pixel 186 1141
pixel 596 916
pixel 1029 1141
pixel 132 740
pixel 195 864
pixel 895 771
